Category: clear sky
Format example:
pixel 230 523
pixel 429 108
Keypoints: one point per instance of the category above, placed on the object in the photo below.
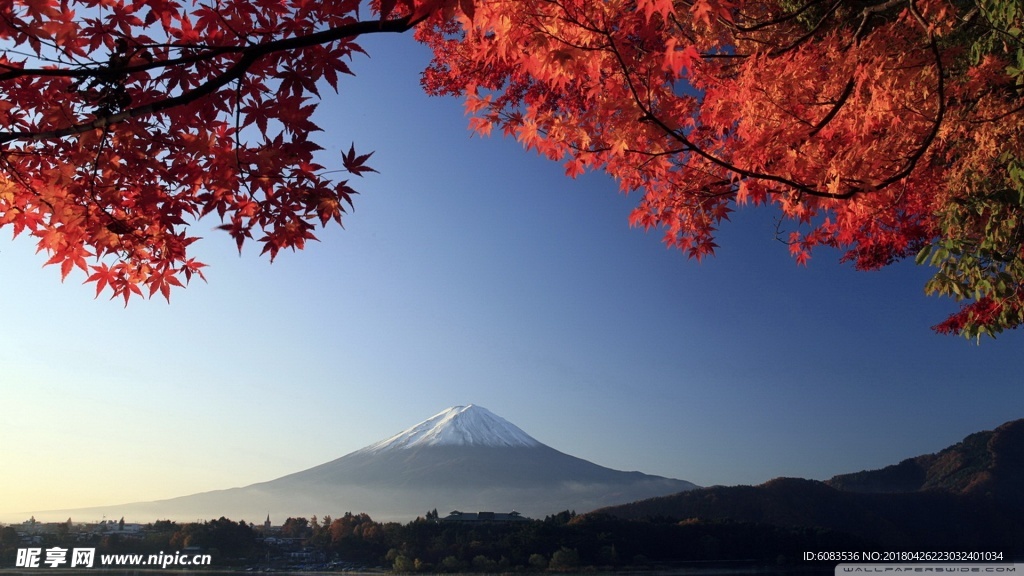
pixel 474 272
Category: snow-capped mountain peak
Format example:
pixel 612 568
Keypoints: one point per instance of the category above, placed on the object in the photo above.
pixel 460 426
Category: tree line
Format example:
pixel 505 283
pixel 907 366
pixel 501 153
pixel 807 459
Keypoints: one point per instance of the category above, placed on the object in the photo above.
pixel 560 542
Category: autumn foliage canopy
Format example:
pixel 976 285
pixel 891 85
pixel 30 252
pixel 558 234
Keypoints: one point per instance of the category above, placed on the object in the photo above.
pixel 889 129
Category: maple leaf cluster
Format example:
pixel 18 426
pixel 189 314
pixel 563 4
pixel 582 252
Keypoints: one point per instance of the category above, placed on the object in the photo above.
pixel 875 127
pixel 885 128
pixel 124 122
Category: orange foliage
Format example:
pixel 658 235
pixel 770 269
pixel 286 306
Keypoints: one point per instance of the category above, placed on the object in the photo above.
pixel 857 120
pixel 122 122
pixel 865 124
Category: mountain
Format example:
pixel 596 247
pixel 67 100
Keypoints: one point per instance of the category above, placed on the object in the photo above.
pixel 967 496
pixel 459 426
pixel 989 463
pixel 464 458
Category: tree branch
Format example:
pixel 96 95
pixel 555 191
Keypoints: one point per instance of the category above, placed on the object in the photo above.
pixel 743 173
pixel 835 109
pixel 249 55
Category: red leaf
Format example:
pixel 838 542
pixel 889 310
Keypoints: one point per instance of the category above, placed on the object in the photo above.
pixel 355 164
pixel 386 7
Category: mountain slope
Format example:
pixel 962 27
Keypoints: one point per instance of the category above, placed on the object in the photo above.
pixel 989 463
pixel 463 458
pixel 964 497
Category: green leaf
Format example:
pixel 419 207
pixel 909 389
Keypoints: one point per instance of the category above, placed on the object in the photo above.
pixel 922 256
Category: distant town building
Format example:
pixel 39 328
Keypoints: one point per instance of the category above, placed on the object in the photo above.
pixel 457 516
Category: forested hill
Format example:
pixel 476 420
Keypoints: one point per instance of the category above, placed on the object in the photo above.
pixel 989 463
pixel 964 497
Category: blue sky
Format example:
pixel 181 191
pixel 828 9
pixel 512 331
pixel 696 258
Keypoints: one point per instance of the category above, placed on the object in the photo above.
pixel 474 272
